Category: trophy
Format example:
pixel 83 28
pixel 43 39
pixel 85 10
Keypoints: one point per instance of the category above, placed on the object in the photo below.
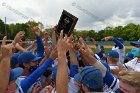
pixel 66 23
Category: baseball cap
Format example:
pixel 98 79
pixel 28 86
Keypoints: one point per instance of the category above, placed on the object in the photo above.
pixel 14 59
pixel 15 73
pixel 135 51
pixel 120 39
pixel 91 77
pixel 129 56
pixel 102 48
pixel 27 57
pixel 135 43
pixel 113 54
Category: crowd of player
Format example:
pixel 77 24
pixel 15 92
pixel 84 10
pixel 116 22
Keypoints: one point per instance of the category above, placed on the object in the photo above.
pixel 67 65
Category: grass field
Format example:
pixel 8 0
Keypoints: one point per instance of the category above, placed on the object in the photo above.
pixel 109 47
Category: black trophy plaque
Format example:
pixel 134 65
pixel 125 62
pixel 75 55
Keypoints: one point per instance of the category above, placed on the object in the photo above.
pixel 66 23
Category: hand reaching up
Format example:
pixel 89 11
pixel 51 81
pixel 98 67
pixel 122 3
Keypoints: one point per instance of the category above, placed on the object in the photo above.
pixel 36 31
pixel 62 45
pixel 6 50
pixel 18 37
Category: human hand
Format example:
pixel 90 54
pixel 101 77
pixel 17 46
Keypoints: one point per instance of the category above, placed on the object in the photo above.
pixel 6 50
pixel 48 89
pixel 62 45
pixel 37 88
pixel 18 37
pixel 36 31
pixel 107 38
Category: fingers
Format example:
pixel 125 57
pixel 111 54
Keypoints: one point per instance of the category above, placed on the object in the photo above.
pixel 66 37
pixel 4 40
pixel 61 34
pixel 37 87
pixel 83 43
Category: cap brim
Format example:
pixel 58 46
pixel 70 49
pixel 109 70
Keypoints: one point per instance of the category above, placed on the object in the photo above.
pixel 36 59
pixel 126 57
pixel 15 73
pixel 135 43
pixel 77 77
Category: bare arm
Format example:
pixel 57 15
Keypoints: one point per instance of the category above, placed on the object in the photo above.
pixel 62 71
pixel 5 64
pixel 20 48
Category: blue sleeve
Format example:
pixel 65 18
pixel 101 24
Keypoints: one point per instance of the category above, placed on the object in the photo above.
pixel 73 70
pixel 100 54
pixel 40 47
pixel 108 79
pixel 111 81
pixel 28 81
pixel 118 43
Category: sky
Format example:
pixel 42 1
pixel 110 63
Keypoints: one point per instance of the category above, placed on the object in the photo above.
pixel 92 14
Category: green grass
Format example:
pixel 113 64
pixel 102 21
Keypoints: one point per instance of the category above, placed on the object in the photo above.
pixel 107 49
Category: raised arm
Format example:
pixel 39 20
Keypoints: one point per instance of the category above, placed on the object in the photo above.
pixel 5 65
pixel 28 81
pixel 7 51
pixel 62 71
pixel 118 43
pixel 73 59
pixel 40 45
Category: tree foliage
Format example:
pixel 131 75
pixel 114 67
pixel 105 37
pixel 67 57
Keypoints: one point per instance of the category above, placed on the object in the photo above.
pixel 129 32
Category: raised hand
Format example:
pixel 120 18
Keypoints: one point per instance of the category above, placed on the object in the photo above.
pixel 62 45
pixel 85 46
pixel 62 71
pixel 47 51
pixel 36 31
pixel 18 37
pixel 6 50
pixel 53 54
pixel 107 38
pixel 46 35
pixel 86 54
pixel 94 41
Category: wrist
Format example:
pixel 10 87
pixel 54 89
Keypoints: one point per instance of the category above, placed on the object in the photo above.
pixel 61 54
pixel 14 43
pixel 5 58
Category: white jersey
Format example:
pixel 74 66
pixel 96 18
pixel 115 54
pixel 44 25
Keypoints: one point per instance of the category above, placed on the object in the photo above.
pixel 72 87
pixel 121 53
pixel 133 64
pixel 20 90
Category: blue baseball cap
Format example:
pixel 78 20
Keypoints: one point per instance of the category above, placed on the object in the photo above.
pixel 135 51
pixel 135 43
pixel 15 73
pixel 102 48
pixel 113 54
pixel 14 59
pixel 91 77
pixel 129 56
pixel 120 39
pixel 27 57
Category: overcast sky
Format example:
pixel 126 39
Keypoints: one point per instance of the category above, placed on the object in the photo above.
pixel 92 14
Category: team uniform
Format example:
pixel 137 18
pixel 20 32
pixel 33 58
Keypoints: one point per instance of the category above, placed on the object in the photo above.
pixel 120 48
pixel 133 64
